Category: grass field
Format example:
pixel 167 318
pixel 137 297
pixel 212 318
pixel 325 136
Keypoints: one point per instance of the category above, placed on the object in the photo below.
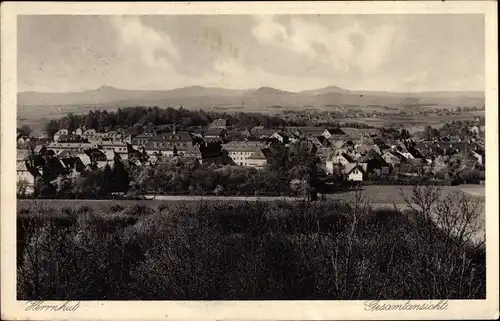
pixel 380 196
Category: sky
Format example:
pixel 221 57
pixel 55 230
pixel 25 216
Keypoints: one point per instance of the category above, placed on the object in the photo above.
pixel 401 53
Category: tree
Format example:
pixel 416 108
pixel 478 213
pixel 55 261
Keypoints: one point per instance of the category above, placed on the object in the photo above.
pixel 120 176
pixel 218 190
pixel 43 188
pixel 439 166
pixel 52 127
pixel 429 133
pixel 66 123
pixel 25 130
pixel 91 121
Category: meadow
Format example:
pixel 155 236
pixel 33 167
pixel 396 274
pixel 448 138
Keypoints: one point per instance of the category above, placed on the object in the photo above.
pixel 337 250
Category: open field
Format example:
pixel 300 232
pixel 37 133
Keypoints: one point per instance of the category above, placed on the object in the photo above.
pixel 380 196
pixel 388 194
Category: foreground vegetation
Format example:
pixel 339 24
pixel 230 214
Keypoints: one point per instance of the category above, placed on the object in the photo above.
pixel 300 250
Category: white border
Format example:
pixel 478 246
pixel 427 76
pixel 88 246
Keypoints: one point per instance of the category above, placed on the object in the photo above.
pixel 279 310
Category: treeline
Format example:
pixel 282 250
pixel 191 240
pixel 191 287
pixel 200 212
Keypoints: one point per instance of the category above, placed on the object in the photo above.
pixel 133 119
pixel 248 251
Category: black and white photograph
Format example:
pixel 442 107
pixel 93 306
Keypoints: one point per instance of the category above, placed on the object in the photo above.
pixel 267 156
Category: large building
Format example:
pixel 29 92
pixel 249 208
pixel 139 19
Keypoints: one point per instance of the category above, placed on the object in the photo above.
pixel 58 147
pixel 172 144
pixel 239 152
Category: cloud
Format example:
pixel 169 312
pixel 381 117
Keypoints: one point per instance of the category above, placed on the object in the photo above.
pixel 154 48
pixel 232 73
pixel 291 52
pixel 351 46
pixel 268 31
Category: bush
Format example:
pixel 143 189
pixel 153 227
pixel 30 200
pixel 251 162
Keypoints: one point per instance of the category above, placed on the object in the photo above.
pixel 247 250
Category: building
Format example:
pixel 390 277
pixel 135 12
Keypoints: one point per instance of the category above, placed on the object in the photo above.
pixel 257 159
pixel 59 133
pixel 342 159
pixel 259 132
pixel 22 154
pixel 219 123
pixel 79 131
pixel 84 159
pixel 116 146
pixel 333 132
pixel 58 147
pixel 281 137
pixel 337 159
pixel 215 135
pixel 141 140
pixel 355 172
pixel 25 179
pixel 391 158
pixel 173 144
pixel 479 157
pixel 239 151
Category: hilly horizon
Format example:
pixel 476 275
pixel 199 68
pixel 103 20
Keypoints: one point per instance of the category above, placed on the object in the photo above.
pixel 259 98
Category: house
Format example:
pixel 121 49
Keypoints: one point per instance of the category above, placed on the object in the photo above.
pixel 219 123
pixel 322 142
pixel 259 132
pixel 70 138
pixel 59 133
pixel 23 141
pixel 26 178
pixel 355 172
pixel 116 146
pixel 239 151
pixel 215 135
pixel 89 133
pixel 281 137
pixel 337 160
pixel 22 154
pixel 79 131
pixel 84 159
pixel 40 149
pixel 337 144
pixel 57 147
pixel 479 157
pixel 173 144
pixel 333 132
pixel 73 163
pixel 68 153
pixel 342 159
pixel 141 140
pixel 391 158
pixel 257 160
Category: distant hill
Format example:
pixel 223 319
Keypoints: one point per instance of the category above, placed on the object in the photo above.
pixel 255 99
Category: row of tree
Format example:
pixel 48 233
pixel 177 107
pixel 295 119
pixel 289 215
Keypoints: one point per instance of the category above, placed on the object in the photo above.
pixel 134 118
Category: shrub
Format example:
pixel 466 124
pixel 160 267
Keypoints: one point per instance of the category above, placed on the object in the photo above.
pixel 250 250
